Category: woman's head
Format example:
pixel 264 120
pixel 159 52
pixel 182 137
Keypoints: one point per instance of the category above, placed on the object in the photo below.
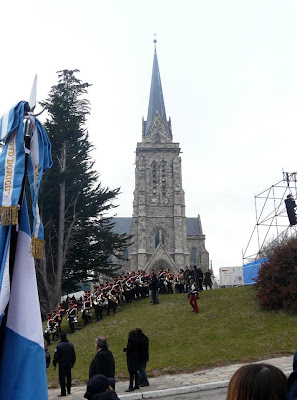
pixel 257 382
pixel 133 335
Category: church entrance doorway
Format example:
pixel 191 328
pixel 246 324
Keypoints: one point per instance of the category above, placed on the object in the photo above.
pixel 161 264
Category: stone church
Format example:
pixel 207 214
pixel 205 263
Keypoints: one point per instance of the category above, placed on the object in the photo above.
pixel 162 234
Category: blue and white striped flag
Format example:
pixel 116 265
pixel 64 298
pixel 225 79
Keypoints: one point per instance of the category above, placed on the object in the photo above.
pixel 4 268
pixel 22 368
pixel 22 362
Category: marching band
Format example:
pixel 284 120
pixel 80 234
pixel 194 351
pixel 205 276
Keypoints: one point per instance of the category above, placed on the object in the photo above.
pixel 133 286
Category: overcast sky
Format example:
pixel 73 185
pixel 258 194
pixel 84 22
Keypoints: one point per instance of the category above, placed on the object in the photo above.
pixel 229 77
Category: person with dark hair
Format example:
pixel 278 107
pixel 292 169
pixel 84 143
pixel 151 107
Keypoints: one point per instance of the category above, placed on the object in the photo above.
pixel 207 279
pixel 101 388
pixel 132 352
pixel 199 279
pixel 154 288
pixel 103 362
pixel 64 356
pixel 192 274
pixel 257 382
pixel 143 357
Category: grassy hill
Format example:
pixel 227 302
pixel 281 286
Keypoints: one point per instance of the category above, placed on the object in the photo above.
pixel 229 328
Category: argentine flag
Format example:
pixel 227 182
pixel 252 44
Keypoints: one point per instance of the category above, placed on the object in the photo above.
pixel 22 366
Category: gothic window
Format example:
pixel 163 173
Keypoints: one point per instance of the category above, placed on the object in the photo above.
pixel 163 238
pixel 159 237
pixel 163 178
pixel 154 178
pixel 193 256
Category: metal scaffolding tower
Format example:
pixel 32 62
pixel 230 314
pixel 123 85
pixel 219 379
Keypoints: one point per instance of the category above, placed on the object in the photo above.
pixel 272 225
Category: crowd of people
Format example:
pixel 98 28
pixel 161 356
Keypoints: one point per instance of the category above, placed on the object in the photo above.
pixel 107 296
pixel 101 383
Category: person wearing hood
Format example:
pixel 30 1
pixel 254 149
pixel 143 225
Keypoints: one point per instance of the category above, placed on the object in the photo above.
pixel 101 388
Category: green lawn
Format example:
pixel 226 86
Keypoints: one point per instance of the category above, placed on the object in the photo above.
pixel 229 328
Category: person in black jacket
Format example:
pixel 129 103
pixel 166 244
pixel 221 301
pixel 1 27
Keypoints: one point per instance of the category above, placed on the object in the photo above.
pixel 100 388
pixel 199 275
pixel 143 356
pixel 103 362
pixel 132 352
pixel 154 288
pixel 64 356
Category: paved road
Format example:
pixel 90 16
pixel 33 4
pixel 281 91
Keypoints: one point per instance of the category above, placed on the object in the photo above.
pixel 217 394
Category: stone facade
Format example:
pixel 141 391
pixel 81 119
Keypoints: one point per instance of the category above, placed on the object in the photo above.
pixel 162 235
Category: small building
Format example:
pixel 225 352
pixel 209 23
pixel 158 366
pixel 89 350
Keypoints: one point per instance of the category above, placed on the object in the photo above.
pixel 231 276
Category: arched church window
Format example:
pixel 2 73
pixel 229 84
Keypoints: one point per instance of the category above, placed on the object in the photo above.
pixel 159 237
pixel 163 238
pixel 154 178
pixel 163 177
pixel 193 256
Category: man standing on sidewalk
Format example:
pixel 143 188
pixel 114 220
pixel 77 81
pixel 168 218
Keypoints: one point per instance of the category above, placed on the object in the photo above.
pixel 103 362
pixel 64 356
pixel 143 357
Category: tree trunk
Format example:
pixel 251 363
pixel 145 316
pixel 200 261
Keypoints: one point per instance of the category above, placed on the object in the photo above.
pixel 61 230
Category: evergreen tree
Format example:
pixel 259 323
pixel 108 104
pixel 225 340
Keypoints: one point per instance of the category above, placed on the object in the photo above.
pixel 78 237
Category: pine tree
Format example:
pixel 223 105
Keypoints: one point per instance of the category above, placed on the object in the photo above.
pixel 79 238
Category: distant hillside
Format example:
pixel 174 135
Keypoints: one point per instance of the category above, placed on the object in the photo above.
pixel 229 328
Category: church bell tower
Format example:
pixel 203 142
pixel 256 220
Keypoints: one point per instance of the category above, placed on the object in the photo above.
pixel 159 221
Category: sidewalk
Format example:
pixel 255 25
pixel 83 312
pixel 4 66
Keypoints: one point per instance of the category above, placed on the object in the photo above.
pixel 182 383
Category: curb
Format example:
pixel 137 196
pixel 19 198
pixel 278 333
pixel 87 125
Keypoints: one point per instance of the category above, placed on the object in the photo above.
pixel 155 394
pixel 180 390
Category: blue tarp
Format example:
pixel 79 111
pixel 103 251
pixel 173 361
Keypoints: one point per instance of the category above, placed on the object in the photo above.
pixel 250 271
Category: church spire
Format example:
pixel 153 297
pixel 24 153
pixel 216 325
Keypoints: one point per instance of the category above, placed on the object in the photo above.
pixel 156 102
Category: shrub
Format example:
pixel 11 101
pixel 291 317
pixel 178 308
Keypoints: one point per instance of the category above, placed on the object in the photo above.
pixel 276 285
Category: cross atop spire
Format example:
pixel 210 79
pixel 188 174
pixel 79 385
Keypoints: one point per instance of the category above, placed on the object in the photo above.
pixel 156 102
pixel 155 41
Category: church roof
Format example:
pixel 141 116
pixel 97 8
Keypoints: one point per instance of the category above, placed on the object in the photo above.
pixel 156 102
pixel 123 225
pixel 192 225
